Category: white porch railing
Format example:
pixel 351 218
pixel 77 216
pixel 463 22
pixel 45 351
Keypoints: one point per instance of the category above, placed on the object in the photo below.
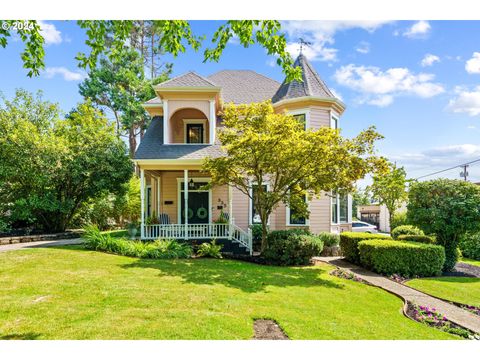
pixel 199 231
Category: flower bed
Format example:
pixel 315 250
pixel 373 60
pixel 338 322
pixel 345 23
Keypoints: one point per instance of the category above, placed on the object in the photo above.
pixel 431 317
pixel 344 274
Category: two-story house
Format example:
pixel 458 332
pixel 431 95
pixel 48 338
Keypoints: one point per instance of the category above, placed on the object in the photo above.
pixel 183 131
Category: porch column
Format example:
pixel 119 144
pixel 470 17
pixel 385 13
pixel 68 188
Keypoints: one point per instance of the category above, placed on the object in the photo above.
pixel 230 202
pixel 142 201
pixel 212 122
pixel 158 196
pixel 185 199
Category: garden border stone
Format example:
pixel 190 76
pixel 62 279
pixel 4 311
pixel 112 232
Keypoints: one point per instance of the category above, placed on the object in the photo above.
pixel 73 234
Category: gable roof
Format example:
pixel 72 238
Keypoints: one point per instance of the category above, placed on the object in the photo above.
pixel 190 79
pixel 312 84
pixel 244 86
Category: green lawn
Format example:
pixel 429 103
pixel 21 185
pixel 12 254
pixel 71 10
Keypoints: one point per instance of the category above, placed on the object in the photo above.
pixel 470 261
pixel 71 293
pixel 460 289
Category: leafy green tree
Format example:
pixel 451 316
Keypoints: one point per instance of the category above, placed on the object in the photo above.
pixel 50 166
pixel 121 87
pixel 447 208
pixel 389 188
pixel 262 145
pixel 109 36
pixel 359 197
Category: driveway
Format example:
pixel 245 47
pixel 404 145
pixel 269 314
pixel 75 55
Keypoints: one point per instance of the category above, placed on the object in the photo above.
pixel 37 244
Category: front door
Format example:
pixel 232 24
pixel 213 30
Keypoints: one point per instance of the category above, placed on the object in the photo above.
pixel 198 206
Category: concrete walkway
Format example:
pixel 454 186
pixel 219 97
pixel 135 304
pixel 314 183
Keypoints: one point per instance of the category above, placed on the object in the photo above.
pixel 452 312
pixel 37 244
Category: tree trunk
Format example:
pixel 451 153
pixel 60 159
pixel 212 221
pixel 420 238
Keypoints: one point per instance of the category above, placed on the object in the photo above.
pixel 132 141
pixel 264 236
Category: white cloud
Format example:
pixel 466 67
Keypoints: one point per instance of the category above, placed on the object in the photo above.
pixel 473 65
pixel 363 47
pixel 336 94
pixel 466 101
pixel 321 35
pixel 379 88
pixel 429 60
pixel 50 33
pixel 418 30
pixel 67 75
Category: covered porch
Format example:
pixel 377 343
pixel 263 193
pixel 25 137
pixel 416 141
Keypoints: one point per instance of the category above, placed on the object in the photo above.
pixel 178 204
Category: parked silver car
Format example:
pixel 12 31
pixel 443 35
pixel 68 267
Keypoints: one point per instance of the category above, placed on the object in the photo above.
pixel 361 226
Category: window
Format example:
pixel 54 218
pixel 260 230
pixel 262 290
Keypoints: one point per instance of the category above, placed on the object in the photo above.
pixel 357 224
pixel 343 200
pixel 254 215
pixel 333 122
pixel 149 201
pixel 194 133
pixel 334 209
pixel 293 218
pixel 302 119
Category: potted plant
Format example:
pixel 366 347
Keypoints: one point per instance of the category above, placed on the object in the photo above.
pixel 132 228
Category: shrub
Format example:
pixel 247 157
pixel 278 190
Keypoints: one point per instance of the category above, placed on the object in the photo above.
pixel 329 239
pixel 159 249
pixel 349 243
pixel 417 238
pixel 406 230
pixel 401 257
pixel 256 236
pixel 291 247
pixel 399 219
pixel 470 246
pixel 211 249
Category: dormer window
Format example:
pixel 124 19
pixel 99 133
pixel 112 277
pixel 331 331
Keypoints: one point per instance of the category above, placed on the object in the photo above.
pixel 195 132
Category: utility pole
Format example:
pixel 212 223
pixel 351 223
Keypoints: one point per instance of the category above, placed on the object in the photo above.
pixel 464 173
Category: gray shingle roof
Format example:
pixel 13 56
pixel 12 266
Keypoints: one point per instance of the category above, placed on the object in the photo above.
pixel 152 147
pixel 312 84
pixel 190 79
pixel 244 86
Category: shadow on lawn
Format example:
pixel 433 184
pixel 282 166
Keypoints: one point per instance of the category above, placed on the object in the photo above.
pixel 236 274
pixel 23 336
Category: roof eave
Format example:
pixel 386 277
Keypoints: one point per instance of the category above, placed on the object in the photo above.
pixel 312 98
pixel 188 88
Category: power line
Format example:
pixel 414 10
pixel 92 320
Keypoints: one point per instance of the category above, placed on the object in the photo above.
pixel 451 168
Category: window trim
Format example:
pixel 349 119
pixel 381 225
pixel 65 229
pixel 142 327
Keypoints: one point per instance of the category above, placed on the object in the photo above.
pixel 250 202
pixel 307 219
pixel 334 117
pixel 194 121
pixel 305 111
pixel 349 210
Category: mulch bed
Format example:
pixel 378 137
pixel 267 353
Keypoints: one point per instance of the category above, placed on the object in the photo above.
pixel 464 269
pixel 266 329
pixel 344 274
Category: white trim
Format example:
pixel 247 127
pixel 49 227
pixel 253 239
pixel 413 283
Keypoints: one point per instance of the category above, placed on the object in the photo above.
pixel 179 192
pixel 338 209
pixel 212 122
pixel 349 207
pixel 159 202
pixel 306 98
pixel 250 202
pixel 194 121
pixel 305 111
pixel 307 219
pixel 336 116
pixel 145 105
pixel 166 122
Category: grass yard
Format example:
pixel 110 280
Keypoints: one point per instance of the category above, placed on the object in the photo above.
pixel 470 261
pixel 71 293
pixel 460 289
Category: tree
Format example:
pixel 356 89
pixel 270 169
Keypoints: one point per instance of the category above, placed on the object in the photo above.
pixel 121 87
pixel 447 208
pixel 359 197
pixel 261 145
pixel 107 37
pixel 389 188
pixel 50 166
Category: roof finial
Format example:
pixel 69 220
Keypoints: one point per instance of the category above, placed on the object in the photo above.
pixel 303 43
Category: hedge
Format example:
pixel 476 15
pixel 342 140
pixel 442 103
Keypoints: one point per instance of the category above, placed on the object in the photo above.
pixel 349 243
pixel 417 238
pixel 406 230
pixel 291 247
pixel 401 257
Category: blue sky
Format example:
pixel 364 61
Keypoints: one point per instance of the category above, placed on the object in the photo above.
pixel 418 82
